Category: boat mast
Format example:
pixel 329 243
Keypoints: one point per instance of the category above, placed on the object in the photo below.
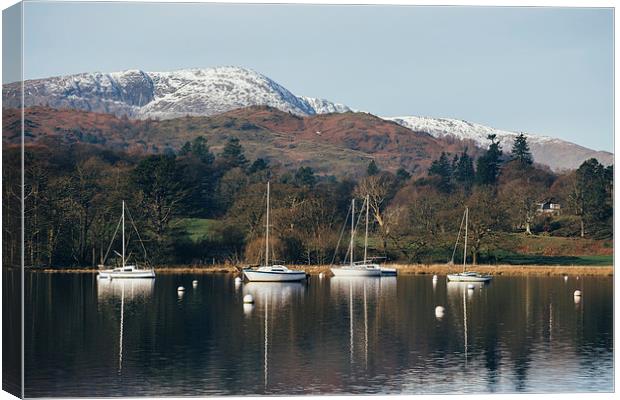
pixel 366 236
pixel 352 227
pixel 465 247
pixel 123 219
pixel 267 231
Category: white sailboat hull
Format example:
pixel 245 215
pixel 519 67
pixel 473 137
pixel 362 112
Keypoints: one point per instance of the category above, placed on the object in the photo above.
pixel 356 271
pixel 136 273
pixel 469 277
pixel 274 276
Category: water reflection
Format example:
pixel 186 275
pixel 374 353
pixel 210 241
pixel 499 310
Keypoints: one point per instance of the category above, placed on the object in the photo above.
pixel 330 336
pixel 272 298
pixel 361 294
pixel 127 290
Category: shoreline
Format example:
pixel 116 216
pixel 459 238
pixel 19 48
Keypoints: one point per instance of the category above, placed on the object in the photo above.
pixel 403 269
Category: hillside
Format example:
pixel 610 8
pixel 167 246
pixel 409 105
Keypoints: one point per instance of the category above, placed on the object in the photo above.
pixel 556 153
pixel 332 144
pixel 138 94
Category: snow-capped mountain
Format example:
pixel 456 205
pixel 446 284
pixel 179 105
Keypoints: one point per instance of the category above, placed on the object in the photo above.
pixel 163 95
pixel 440 127
pixel 322 106
pixel 556 153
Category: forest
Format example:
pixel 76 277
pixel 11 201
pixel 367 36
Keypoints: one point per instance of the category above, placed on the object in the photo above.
pixel 191 206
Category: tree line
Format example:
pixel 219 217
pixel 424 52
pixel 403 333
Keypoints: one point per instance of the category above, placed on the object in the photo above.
pixel 72 200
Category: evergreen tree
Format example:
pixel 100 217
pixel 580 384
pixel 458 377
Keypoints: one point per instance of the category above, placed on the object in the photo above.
pixel 233 155
pixel 402 175
pixel 304 176
pixel 464 172
pixel 590 198
pixel 442 168
pixel 488 166
pixel 258 165
pixel 372 168
pixel 186 148
pixel 201 150
pixel 521 151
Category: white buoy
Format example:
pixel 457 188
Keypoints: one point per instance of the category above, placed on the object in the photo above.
pixel 322 275
pixel 577 293
pixel 247 308
pixel 435 278
pixel 439 311
pixel 471 286
pixel 180 289
pixel 194 284
pixel 248 299
pixel 577 278
pixel 565 278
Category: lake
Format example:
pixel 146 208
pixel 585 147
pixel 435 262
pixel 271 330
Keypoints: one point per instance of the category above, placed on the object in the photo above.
pixel 86 337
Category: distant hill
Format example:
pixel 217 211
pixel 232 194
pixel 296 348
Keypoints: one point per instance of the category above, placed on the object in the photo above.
pixel 556 153
pixel 138 94
pixel 332 144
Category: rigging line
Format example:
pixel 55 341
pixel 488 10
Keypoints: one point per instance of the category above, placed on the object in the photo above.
pixel 137 233
pixel 458 237
pixel 112 241
pixel 359 218
pixel 340 239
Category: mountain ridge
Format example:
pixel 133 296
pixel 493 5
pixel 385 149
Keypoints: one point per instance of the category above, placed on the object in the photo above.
pixel 137 94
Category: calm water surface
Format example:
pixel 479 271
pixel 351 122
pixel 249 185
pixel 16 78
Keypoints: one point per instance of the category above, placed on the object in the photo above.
pixel 86 337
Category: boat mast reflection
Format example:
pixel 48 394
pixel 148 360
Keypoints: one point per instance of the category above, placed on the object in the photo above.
pixel 272 296
pixel 132 290
pixel 357 289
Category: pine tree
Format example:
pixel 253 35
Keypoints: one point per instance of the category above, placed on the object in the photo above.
pixel 258 165
pixel 186 148
pixel 464 172
pixel 590 198
pixel 521 151
pixel 488 166
pixel 443 170
pixel 402 175
pixel 201 150
pixel 233 155
pixel 372 168
pixel 304 176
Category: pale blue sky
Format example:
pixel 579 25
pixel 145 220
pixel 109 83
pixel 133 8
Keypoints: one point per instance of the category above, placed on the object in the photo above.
pixel 542 70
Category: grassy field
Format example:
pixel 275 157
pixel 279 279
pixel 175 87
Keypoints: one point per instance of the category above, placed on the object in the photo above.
pixel 197 228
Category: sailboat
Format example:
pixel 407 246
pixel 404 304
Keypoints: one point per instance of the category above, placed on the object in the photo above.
pixel 466 276
pixel 272 273
pixel 125 271
pixel 363 268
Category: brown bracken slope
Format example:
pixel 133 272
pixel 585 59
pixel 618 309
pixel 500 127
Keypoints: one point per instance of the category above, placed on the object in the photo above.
pixel 338 144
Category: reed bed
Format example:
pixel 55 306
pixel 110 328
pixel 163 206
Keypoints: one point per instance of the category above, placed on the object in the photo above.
pixel 403 269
